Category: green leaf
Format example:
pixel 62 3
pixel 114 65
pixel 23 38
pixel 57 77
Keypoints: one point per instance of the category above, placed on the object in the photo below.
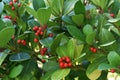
pixel 71 48
pixel 115 21
pixel 90 38
pixel 75 32
pixel 30 67
pixel 94 75
pixel 105 66
pixel 60 74
pixel 7 32
pixel 47 42
pixel 87 29
pixel 16 71
pixel 32 12
pixel 94 65
pixel 57 6
pixel 3 55
pixel 100 3
pixel 2 25
pixel 78 50
pixel 1 7
pixel 106 36
pixel 62 51
pixel 52 66
pixel 79 8
pixel 56 42
pixel 68 6
pixel 43 15
pixel 68 20
pixel 38 4
pixel 22 56
pixel 8 22
pixel 113 58
pixel 78 19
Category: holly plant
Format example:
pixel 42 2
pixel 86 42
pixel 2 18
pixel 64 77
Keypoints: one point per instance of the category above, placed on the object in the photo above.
pixel 59 39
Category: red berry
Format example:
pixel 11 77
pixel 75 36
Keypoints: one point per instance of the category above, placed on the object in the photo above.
pixel 70 64
pixel 50 34
pixel 36 34
pixel 61 65
pixel 19 4
pixel 66 65
pixel 112 15
pixel 91 48
pixel 112 70
pixel 41 33
pixel 45 49
pixel 63 58
pixel 15 1
pixel 18 41
pixel 13 8
pixel 43 61
pixel 35 28
pixel 40 28
pixel 11 3
pixel 68 59
pixel 94 50
pixel 36 40
pixel 23 42
pixel 60 60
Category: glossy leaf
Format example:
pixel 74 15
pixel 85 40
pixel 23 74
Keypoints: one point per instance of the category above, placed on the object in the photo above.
pixel 32 11
pixel 68 6
pixel 43 15
pixel 7 32
pixel 62 51
pixel 75 32
pixel 1 7
pixel 113 58
pixel 100 3
pixel 3 55
pixel 87 29
pixel 22 56
pixel 68 20
pixel 56 42
pixel 47 42
pixel 2 24
pixel 78 50
pixel 90 38
pixel 94 65
pixel 62 73
pixel 105 66
pixel 38 4
pixel 94 75
pixel 52 66
pixel 78 19
pixel 71 48
pixel 79 8
pixel 16 71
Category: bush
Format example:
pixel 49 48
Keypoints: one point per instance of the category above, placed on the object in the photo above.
pixel 59 39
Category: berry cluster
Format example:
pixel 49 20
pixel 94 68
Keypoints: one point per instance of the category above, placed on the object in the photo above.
pixel 11 3
pixel 64 62
pixel 43 51
pixel 23 42
pixel 93 49
pixel 38 30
